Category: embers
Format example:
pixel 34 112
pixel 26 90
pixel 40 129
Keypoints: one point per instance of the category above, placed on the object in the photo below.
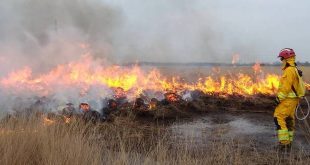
pixel 172 97
pixel 119 93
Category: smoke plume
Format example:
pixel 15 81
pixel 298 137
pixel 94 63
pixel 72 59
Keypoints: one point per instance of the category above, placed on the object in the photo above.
pixel 42 34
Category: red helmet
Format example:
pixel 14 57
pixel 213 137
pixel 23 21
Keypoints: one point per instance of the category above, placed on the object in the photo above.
pixel 286 53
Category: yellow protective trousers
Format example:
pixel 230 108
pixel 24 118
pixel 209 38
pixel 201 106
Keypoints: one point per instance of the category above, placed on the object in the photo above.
pixel 284 118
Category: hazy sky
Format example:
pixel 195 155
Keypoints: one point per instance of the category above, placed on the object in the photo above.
pixel 208 30
pixel 151 30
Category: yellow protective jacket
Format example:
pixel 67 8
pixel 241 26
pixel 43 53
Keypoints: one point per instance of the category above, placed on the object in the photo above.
pixel 291 84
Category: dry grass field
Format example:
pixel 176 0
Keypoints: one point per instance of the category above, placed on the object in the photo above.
pixel 124 141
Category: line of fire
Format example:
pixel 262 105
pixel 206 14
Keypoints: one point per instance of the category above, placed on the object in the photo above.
pixel 123 90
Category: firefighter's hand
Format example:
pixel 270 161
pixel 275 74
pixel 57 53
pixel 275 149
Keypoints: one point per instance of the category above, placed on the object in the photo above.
pixel 277 101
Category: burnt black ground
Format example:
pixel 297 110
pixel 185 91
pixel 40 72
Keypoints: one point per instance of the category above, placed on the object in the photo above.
pixel 247 129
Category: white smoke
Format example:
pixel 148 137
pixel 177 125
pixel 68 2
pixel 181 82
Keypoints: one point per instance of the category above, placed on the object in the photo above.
pixel 42 34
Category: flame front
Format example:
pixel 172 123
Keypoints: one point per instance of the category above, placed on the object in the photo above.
pixel 84 73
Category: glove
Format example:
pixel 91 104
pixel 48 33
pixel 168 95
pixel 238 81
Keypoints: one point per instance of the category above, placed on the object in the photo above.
pixel 277 101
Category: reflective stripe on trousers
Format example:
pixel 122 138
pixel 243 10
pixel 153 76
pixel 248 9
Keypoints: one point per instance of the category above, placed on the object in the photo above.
pixel 291 135
pixel 284 117
pixel 283 135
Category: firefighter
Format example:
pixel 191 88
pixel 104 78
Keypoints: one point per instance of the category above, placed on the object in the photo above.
pixel 291 89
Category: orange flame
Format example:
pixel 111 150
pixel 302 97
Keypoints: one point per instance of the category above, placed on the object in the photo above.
pixel 308 87
pixel 47 121
pixel 172 97
pixel 85 73
pixel 152 105
pixel 67 119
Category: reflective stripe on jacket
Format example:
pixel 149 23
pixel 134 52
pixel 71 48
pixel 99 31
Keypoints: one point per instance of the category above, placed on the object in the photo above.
pixel 289 80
